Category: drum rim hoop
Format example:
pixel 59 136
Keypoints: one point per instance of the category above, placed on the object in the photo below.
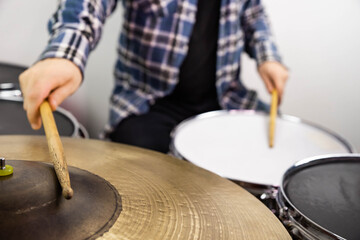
pixel 285 117
pixel 282 198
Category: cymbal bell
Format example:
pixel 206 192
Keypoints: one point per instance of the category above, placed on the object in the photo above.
pixel 162 197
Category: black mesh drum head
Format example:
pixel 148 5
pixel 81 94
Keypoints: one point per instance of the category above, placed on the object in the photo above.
pixel 327 192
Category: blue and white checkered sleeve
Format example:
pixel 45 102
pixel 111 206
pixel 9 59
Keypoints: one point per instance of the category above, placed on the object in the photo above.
pixel 259 41
pixel 75 29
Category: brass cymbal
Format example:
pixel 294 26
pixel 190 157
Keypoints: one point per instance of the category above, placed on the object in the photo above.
pixel 162 197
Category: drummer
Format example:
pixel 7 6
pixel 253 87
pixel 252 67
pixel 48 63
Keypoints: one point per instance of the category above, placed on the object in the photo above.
pixel 176 59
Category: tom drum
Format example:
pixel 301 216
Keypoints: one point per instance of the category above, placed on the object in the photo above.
pixel 234 144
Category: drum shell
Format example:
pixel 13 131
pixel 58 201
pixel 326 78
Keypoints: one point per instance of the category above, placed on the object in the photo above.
pixel 266 192
pixel 298 224
pixel 17 122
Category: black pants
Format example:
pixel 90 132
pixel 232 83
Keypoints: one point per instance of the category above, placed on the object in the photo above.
pixel 152 130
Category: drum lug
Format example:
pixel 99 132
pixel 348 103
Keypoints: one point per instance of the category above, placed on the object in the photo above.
pixel 269 199
pixel 284 214
pixel 296 229
pixel 269 194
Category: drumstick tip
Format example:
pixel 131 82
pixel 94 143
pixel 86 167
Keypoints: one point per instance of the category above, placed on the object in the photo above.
pixel 68 193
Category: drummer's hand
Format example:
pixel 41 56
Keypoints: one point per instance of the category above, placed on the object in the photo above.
pixel 274 75
pixel 52 78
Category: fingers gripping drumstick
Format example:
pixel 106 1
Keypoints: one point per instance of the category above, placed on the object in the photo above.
pixel 56 149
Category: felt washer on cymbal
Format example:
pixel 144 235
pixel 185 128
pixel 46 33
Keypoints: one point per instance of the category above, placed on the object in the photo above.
pixel 32 206
pixel 8 170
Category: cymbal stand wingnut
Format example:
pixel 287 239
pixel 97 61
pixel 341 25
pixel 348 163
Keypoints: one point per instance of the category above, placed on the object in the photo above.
pixel 2 163
pixel 5 170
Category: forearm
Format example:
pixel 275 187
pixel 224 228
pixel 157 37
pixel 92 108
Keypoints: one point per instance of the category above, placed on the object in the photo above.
pixel 259 41
pixel 75 29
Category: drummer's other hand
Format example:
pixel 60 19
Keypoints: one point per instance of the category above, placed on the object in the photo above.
pixel 274 75
pixel 52 78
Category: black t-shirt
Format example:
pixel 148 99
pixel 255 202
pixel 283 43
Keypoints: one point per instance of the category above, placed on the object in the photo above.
pixel 196 87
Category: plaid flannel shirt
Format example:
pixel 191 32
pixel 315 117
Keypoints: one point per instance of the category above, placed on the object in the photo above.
pixel 154 42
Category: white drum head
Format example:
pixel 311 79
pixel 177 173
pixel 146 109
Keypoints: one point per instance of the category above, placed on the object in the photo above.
pixel 235 145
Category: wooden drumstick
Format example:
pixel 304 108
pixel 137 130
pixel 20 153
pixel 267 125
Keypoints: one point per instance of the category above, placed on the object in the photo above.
pixel 56 149
pixel 273 113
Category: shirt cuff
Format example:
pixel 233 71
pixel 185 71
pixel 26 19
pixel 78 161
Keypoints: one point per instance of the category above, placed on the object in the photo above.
pixel 266 51
pixel 69 44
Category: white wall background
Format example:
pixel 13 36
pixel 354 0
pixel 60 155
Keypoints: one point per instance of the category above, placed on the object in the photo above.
pixel 319 41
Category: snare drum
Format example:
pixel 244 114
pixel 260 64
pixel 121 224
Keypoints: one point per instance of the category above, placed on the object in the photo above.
pixel 319 198
pixel 234 144
pixel 13 120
